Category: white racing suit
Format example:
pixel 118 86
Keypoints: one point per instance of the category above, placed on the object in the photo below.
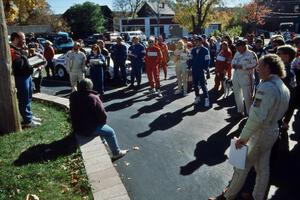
pixel 243 79
pixel 261 130
pixel 181 69
pixel 75 64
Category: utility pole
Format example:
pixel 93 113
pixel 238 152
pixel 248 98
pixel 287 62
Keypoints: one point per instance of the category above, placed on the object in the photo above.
pixel 9 111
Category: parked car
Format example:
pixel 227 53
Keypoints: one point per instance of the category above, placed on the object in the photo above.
pixel 41 41
pixel 128 35
pixel 62 73
pixel 93 39
pixel 62 42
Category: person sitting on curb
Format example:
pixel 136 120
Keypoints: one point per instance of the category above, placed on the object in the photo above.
pixel 88 117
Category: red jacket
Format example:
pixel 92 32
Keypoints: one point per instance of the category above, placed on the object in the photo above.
pixel 153 56
pixel 223 60
pixel 49 53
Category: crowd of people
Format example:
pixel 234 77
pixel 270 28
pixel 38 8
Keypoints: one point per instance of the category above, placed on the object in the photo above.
pixel 265 79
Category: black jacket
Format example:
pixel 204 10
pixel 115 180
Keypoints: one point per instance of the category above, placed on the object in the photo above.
pixel 20 62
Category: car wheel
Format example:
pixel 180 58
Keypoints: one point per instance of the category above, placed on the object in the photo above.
pixel 61 72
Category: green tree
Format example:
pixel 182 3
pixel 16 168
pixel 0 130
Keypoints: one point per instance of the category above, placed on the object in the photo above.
pixel 84 19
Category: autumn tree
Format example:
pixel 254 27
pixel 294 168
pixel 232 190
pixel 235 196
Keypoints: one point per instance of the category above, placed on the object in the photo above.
pixel 193 14
pixel 254 14
pixel 222 16
pixel 21 10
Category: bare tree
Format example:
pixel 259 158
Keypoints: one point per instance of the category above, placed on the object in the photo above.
pixel 130 6
pixel 9 112
pixel 203 9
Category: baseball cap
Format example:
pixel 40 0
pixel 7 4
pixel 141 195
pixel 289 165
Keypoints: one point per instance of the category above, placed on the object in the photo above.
pixel 240 43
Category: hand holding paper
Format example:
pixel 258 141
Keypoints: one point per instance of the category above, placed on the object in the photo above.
pixel 237 156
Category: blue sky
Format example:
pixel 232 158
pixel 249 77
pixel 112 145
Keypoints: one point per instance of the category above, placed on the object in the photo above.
pixel 60 6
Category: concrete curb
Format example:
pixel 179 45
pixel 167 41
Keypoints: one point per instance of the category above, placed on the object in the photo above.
pixel 103 177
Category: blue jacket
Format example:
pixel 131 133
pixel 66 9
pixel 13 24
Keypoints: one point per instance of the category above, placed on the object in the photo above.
pixel 200 59
pixel 118 53
pixel 139 51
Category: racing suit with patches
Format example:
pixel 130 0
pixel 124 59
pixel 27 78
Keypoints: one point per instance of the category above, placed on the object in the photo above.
pixel 165 57
pixel 75 62
pixel 152 61
pixel 261 131
pixel 200 58
pixel 243 79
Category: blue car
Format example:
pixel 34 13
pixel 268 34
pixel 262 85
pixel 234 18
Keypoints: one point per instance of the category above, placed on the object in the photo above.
pixel 62 42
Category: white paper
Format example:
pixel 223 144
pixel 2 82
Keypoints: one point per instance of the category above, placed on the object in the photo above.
pixel 237 157
pixel 221 58
pixel 151 54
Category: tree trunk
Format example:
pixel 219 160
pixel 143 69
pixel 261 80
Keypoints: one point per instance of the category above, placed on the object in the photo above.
pixel 9 111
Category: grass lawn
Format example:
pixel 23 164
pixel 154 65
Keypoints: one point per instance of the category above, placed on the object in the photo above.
pixel 44 161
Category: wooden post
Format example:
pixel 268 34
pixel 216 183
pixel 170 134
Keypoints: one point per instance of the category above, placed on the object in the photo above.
pixel 9 111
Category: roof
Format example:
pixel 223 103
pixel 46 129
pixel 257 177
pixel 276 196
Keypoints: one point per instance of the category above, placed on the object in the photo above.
pixel 165 10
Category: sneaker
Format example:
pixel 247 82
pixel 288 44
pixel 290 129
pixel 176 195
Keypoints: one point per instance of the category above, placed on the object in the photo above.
pixel 120 154
pixel 159 93
pixel 177 92
pixel 152 91
pixel 37 119
pixel 31 124
pixel 131 86
pixel 206 103
pixel 197 100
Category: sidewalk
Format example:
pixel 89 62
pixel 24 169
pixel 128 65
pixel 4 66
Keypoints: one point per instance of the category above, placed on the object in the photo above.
pixel 103 177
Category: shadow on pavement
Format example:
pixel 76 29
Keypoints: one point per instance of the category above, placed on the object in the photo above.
pixel 168 120
pixel 45 152
pixel 212 151
pixel 125 104
pixel 64 93
pixel 225 102
pixel 123 93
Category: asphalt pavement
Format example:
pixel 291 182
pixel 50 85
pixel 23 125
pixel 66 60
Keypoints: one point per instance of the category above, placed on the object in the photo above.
pixel 178 151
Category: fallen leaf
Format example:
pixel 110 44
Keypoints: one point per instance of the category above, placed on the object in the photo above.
pixel 19 176
pixel 32 197
pixel 74 181
pixel 136 148
pixel 64 189
pixel 64 167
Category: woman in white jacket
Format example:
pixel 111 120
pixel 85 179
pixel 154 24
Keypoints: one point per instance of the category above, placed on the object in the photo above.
pixel 181 55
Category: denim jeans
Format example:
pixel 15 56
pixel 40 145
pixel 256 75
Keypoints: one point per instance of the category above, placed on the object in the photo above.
pixel 122 67
pixel 24 94
pixel 106 132
pixel 136 72
pixel 199 80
